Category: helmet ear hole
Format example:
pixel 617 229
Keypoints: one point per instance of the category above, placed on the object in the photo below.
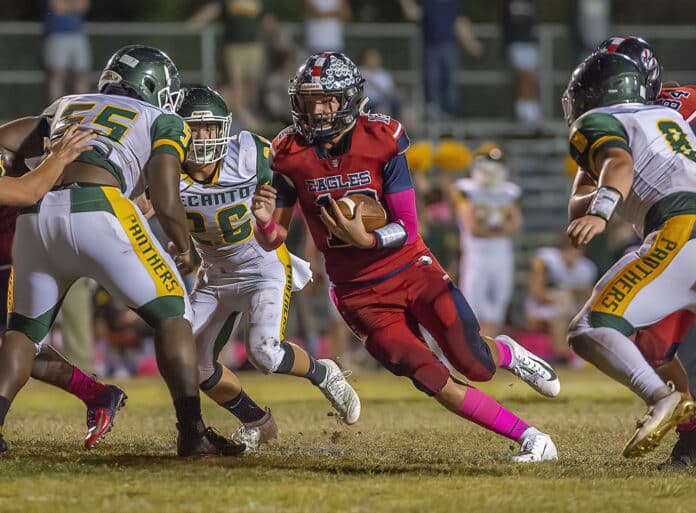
pixel 149 84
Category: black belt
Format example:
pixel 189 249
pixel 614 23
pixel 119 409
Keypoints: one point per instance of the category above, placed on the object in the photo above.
pixel 75 185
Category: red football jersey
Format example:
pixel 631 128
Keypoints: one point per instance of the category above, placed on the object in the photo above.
pixel 682 99
pixel 375 141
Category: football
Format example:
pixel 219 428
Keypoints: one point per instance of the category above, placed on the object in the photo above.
pixel 373 215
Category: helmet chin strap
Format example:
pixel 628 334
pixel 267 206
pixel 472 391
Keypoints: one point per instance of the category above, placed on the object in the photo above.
pixel 348 127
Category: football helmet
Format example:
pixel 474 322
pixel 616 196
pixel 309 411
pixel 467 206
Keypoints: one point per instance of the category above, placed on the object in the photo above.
pixel 205 106
pixel 326 74
pixel 600 80
pixel 641 53
pixel 488 168
pixel 145 73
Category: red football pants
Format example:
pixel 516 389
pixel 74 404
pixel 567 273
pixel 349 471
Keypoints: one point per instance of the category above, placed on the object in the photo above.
pixel 659 342
pixel 386 316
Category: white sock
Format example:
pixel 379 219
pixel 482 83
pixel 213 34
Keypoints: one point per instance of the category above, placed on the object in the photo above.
pixel 619 358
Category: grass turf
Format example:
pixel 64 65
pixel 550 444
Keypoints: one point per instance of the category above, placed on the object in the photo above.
pixel 406 454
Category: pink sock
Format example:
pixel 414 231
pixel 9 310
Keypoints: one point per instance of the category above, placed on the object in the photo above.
pixel 689 425
pixel 85 387
pixel 487 412
pixel 504 354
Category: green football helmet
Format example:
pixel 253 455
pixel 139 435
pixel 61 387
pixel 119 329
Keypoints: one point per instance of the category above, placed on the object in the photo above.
pixel 145 73
pixel 204 106
pixel 603 79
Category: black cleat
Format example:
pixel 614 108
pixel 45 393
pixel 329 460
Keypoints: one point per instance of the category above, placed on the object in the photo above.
pixel 683 453
pixel 206 443
pixel 3 445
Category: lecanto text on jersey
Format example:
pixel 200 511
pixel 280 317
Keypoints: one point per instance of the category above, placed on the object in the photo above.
pixel 199 199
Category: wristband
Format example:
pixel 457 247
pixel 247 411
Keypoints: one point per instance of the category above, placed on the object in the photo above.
pixel 392 235
pixel 269 228
pixel 604 203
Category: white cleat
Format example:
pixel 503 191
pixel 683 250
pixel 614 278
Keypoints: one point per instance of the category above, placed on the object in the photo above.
pixel 531 369
pixel 536 446
pixel 337 390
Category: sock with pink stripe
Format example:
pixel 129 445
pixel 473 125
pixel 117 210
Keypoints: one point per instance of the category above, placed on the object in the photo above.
pixel 485 411
pixel 689 425
pixel 85 387
pixel 504 354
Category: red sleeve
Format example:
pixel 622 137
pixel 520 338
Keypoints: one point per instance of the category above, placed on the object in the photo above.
pixel 388 131
pixel 682 99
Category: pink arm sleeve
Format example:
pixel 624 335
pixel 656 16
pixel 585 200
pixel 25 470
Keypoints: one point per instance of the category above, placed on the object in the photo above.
pixel 401 208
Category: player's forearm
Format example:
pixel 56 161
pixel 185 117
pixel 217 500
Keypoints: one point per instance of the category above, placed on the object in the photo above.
pixel 578 205
pixel 616 170
pixel 31 187
pixel 163 174
pixel 172 217
pixel 271 235
pixel 401 207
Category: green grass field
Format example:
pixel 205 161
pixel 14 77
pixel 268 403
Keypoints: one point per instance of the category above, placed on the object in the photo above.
pixel 406 454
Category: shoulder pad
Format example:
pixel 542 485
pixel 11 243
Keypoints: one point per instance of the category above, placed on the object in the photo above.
pixel 386 129
pixel 284 136
pixel 592 131
pixel 682 99
pixel 51 110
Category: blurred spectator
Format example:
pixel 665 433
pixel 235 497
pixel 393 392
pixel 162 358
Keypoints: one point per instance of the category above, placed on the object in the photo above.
pixel 324 25
pixel 276 102
pixel 66 47
pixel 488 213
pixel 124 333
pixel 443 23
pixel 439 230
pixel 379 84
pixel 243 51
pixel 519 20
pixel 590 24
pixel 560 280
pixel 78 325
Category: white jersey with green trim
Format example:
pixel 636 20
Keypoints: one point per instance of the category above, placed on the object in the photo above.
pixel 492 208
pixel 663 148
pixel 219 211
pixel 130 132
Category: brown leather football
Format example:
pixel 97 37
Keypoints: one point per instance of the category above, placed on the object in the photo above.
pixel 373 214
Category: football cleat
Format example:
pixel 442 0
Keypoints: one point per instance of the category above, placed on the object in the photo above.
pixel 661 417
pixel 206 443
pixel 254 434
pixel 531 369
pixel 683 453
pixel 100 416
pixel 337 390
pixel 3 445
pixel 536 446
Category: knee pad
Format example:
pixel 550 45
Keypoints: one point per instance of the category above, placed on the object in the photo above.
pixel 414 361
pixel 212 376
pixel 265 353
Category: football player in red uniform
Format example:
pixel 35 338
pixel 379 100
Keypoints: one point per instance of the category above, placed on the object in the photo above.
pixel 386 282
